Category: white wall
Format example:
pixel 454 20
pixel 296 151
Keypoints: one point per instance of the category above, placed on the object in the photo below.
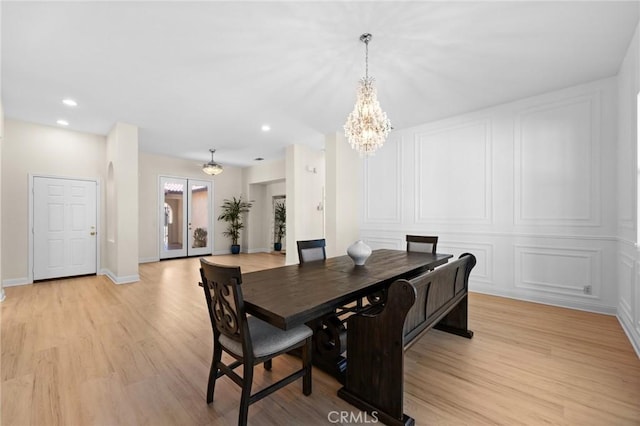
pixel 628 257
pixel 2 295
pixel 151 166
pixel 40 150
pixel 122 203
pixel 528 187
pixel 305 179
pixel 343 195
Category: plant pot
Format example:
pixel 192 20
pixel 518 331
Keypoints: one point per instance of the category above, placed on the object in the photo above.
pixel 277 246
pixel 235 248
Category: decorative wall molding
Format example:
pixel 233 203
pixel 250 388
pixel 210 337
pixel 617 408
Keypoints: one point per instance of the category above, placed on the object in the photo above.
pixel 385 243
pixel 455 214
pixel 633 334
pixel 546 273
pixel 627 242
pixel 637 297
pixel 625 284
pixel 543 245
pixel 483 271
pixel 403 231
pixel 534 208
pixel 376 167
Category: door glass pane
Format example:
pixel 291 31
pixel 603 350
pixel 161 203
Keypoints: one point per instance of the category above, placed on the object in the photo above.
pixel 198 227
pixel 173 207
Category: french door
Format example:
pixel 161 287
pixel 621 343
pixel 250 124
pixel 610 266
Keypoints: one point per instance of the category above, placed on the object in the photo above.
pixel 64 227
pixel 185 217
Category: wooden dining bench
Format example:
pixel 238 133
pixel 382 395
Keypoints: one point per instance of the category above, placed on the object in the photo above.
pixel 378 337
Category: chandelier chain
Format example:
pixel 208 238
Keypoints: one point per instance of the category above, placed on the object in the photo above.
pixel 366 58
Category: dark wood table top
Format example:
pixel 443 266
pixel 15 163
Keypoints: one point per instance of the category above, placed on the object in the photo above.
pixel 292 295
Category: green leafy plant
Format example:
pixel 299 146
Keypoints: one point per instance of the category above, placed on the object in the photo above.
pixel 200 237
pixel 232 211
pixel 280 221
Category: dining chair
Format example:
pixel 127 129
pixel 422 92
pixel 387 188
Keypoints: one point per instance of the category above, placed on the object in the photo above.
pixel 247 339
pixel 311 250
pixel 422 244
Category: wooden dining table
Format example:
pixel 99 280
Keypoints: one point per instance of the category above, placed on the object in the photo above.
pixel 310 293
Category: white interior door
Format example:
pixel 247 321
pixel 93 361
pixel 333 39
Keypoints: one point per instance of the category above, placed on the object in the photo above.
pixel 64 228
pixel 185 217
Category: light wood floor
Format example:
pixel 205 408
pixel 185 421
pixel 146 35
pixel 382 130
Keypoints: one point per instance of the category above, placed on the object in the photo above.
pixel 84 351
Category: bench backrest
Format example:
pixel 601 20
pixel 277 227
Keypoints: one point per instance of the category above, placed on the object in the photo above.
pixel 437 292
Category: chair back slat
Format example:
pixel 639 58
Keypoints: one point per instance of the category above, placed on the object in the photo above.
pixel 311 250
pixel 224 300
pixel 422 243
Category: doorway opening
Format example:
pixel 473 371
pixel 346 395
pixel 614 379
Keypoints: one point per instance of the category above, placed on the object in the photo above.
pixel 185 217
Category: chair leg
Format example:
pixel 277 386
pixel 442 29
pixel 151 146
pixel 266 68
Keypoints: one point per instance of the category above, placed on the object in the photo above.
pixel 267 365
pixel 306 364
pixel 247 380
pixel 213 372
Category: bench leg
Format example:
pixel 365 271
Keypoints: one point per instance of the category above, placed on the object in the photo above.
pixel 456 321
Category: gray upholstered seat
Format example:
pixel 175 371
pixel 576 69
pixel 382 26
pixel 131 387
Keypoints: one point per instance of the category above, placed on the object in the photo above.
pixel 267 339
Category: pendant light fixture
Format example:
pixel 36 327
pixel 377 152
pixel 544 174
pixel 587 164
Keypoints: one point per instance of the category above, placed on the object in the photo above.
pixel 367 126
pixel 212 168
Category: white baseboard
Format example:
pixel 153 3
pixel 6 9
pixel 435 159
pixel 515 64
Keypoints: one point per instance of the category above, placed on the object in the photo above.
pixel 149 259
pixel 258 250
pixel 219 252
pixel 15 281
pixel 632 334
pixel 121 280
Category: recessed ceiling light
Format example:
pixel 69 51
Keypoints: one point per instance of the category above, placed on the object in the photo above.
pixel 258 159
pixel 69 102
pixel 265 127
pixel 63 122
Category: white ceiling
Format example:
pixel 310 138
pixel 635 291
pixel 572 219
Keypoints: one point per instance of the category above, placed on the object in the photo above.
pixel 195 76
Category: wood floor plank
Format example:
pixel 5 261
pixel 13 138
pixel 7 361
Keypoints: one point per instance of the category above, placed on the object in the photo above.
pixel 84 351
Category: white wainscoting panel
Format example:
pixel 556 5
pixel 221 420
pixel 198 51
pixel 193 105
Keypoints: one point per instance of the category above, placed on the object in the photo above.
pixel 453 174
pixel 557 163
pixel 528 187
pixel 626 281
pixel 563 271
pixel 483 271
pixel 380 242
pixel 383 184
pixel 637 309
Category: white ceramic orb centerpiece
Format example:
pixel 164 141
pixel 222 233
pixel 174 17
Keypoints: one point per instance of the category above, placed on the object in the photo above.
pixel 359 252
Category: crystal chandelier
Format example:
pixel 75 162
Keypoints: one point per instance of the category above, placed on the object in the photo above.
pixel 367 126
pixel 212 168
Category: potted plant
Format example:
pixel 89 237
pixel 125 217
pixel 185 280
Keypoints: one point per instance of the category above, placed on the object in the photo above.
pixel 200 237
pixel 280 225
pixel 232 211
